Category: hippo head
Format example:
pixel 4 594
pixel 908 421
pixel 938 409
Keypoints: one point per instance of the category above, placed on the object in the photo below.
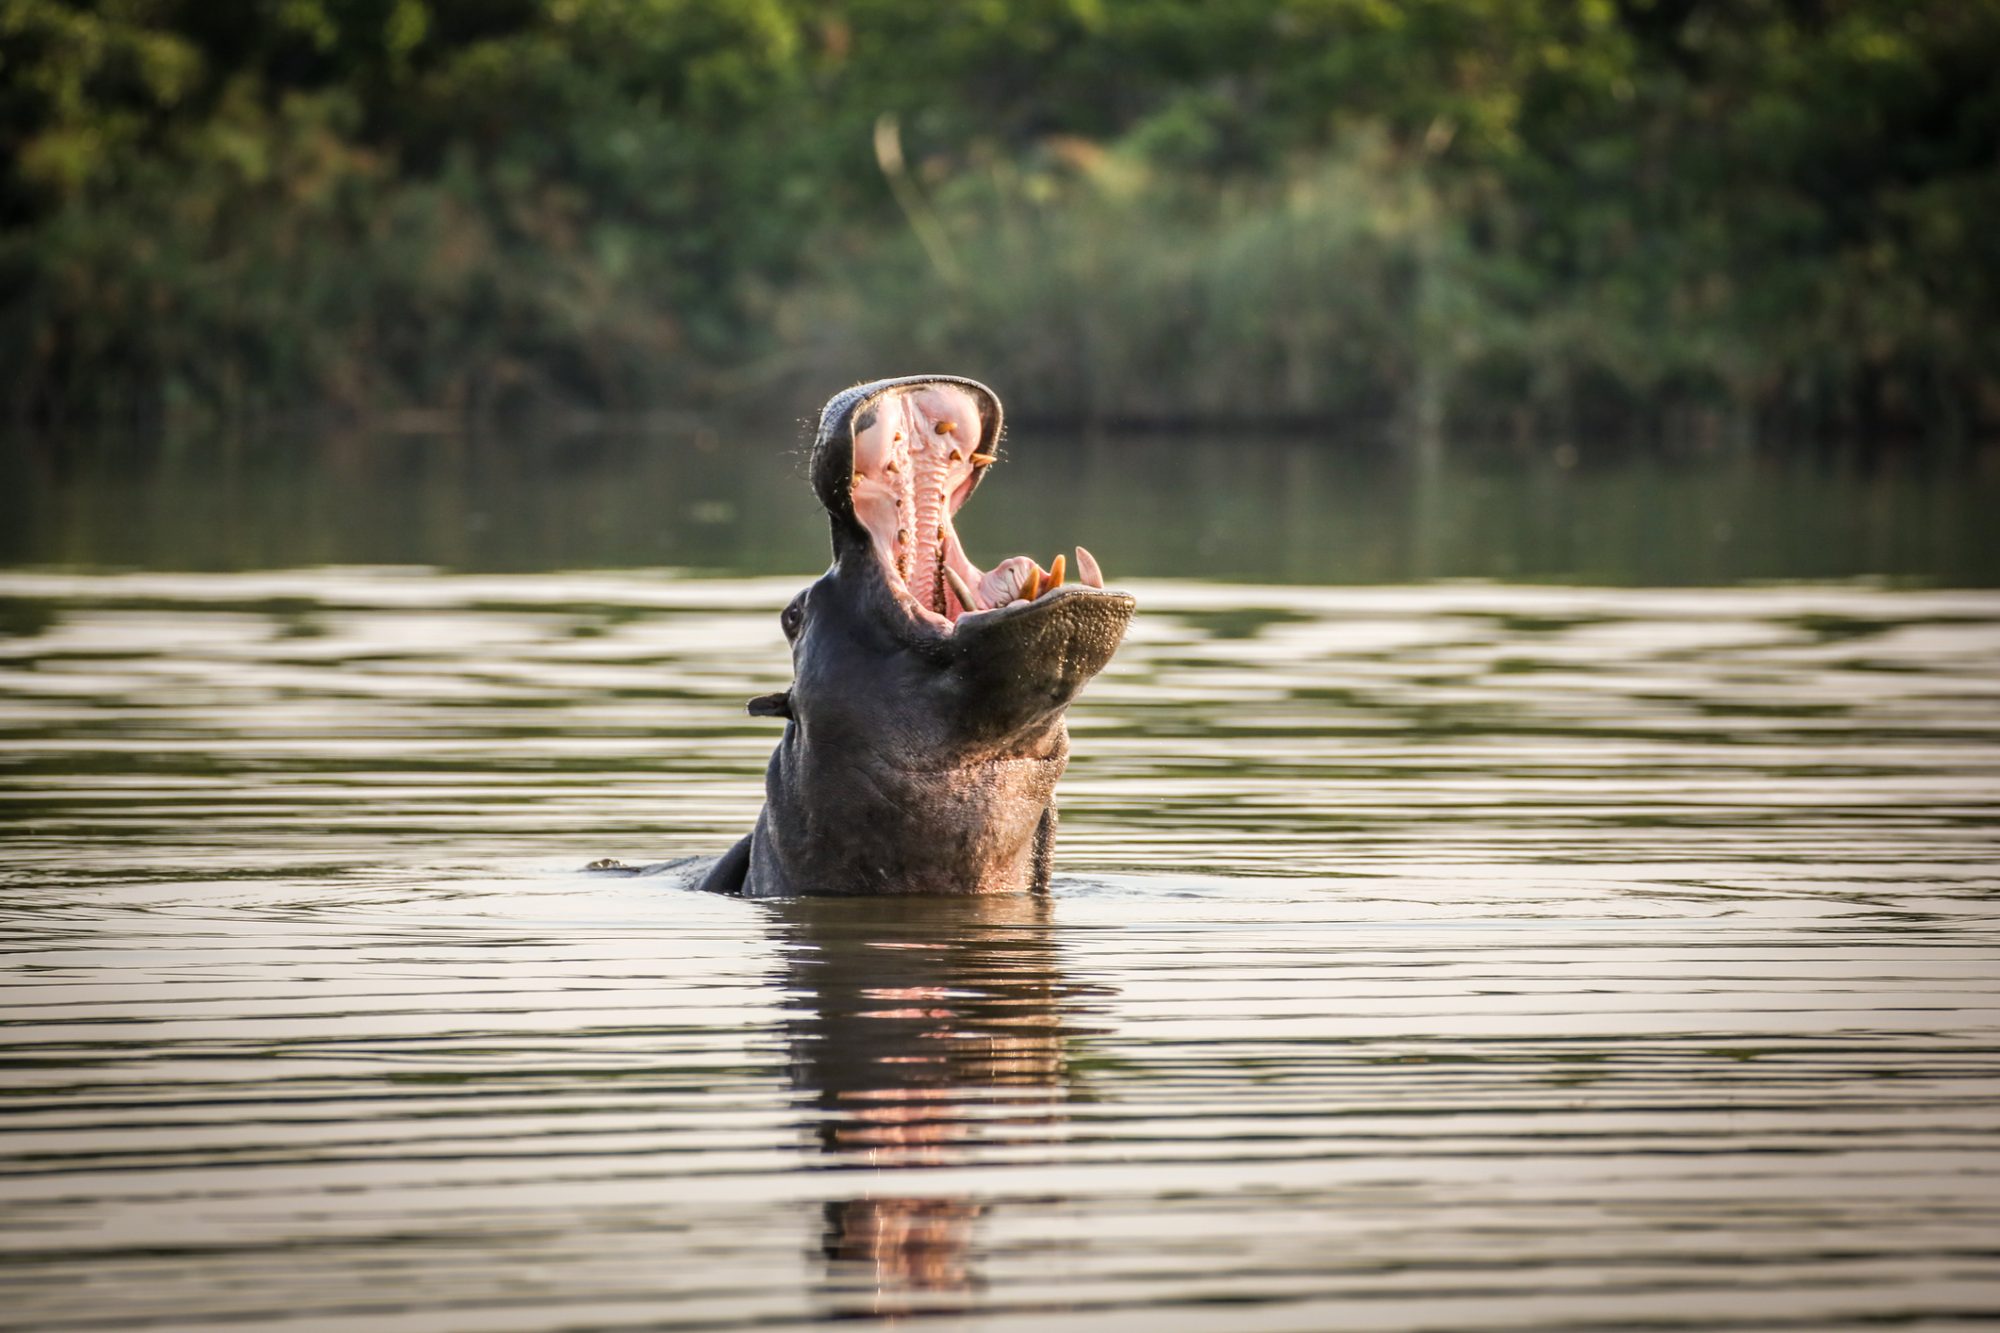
pixel 926 725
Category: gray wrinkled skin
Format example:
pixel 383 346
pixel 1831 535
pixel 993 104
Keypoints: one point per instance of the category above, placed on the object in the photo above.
pixel 915 760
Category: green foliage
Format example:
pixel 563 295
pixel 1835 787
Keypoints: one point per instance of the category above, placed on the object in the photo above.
pixel 1101 287
pixel 1493 212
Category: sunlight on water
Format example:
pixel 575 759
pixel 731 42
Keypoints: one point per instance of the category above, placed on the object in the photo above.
pixel 1433 956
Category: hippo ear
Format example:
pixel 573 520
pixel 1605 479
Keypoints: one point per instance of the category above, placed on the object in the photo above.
pixel 771 705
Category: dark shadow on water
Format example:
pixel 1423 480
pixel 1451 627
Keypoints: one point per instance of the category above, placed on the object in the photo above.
pixel 927 1031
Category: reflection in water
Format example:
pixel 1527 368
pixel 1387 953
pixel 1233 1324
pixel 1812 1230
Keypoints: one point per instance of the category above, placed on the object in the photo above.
pixel 1454 956
pixel 928 1026
pixel 1264 507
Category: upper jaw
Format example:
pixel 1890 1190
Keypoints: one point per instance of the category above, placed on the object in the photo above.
pixel 833 452
pixel 892 463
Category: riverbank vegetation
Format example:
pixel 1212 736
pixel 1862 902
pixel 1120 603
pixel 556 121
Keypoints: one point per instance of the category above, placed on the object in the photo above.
pixel 1769 219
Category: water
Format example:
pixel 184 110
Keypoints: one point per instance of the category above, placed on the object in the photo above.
pixel 1446 955
pixel 1260 506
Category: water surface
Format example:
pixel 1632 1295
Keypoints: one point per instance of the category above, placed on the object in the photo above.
pixel 1441 956
pixel 1261 506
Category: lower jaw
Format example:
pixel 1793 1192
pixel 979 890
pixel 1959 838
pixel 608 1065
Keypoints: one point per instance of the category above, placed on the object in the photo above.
pixel 1013 583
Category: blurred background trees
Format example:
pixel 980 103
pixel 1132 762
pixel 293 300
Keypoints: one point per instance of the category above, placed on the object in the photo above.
pixel 1765 217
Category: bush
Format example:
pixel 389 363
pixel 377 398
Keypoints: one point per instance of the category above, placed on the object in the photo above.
pixel 1460 213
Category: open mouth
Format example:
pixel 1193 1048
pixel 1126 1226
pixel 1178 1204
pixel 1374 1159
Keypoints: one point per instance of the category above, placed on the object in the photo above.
pixel 917 456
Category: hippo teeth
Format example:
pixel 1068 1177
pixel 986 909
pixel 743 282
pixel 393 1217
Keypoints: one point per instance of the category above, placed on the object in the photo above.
pixel 916 457
pixel 1087 570
pixel 960 590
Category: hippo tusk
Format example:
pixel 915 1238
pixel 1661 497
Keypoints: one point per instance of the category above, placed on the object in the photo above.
pixel 1087 570
pixel 964 594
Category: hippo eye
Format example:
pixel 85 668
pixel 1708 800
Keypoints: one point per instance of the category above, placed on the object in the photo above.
pixel 793 616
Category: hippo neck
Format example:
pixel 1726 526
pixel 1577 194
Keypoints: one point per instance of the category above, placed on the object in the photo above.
pixel 841 820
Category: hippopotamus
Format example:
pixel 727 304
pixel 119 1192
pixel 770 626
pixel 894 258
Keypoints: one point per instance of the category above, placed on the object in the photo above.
pixel 925 726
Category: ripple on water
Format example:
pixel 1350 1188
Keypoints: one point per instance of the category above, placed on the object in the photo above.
pixel 1423 957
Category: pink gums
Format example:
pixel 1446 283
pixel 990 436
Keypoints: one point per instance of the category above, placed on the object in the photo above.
pixel 913 468
pixel 915 461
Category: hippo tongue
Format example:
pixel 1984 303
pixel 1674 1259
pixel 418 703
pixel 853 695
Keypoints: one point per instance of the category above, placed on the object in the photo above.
pixel 1019 579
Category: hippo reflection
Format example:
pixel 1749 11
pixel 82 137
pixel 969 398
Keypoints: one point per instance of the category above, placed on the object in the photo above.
pixel 925 722
pixel 926 1031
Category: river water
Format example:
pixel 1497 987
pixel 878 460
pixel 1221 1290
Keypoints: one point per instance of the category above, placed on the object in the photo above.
pixel 1429 955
